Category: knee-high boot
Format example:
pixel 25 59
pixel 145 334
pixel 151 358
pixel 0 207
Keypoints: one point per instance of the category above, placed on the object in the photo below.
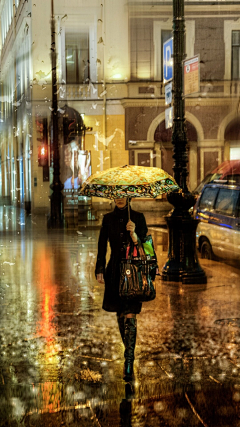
pixel 121 327
pixel 130 341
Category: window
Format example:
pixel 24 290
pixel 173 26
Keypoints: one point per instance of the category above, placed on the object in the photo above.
pixel 162 31
pixel 235 55
pixel 226 202
pixel 77 57
pixel 208 198
pixel 141 49
pixel 143 158
pixel 165 35
pixel 6 18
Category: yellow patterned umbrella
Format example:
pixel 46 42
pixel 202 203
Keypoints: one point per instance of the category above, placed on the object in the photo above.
pixel 129 181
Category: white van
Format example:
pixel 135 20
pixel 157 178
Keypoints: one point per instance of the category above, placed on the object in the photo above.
pixel 218 232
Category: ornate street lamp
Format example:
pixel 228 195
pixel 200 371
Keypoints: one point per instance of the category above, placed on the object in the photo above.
pixel 55 219
pixel 182 264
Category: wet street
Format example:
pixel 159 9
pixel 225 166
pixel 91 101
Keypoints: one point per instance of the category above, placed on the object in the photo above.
pixel 61 355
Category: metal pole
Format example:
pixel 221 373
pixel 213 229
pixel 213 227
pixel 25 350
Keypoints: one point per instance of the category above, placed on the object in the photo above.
pixel 179 137
pixel 55 219
pixel 182 264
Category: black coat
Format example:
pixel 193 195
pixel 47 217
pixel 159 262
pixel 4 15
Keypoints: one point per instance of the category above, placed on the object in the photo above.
pixel 114 230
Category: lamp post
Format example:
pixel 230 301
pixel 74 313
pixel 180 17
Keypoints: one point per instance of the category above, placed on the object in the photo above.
pixel 182 264
pixel 55 219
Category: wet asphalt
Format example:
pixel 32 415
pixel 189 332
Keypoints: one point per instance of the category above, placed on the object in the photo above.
pixel 61 355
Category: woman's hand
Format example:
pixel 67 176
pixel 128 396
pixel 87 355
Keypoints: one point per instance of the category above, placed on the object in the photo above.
pixel 100 278
pixel 131 227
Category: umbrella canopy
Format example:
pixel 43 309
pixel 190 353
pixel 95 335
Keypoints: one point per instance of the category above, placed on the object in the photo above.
pixel 129 181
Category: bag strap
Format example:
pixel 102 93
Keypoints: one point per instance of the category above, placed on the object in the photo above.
pixel 140 250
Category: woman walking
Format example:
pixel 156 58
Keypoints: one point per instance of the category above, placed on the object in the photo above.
pixel 119 231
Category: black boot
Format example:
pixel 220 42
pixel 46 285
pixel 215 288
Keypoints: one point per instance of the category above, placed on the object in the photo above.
pixel 121 326
pixel 130 341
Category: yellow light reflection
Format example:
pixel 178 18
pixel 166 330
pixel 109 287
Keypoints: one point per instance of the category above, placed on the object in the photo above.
pixel 50 392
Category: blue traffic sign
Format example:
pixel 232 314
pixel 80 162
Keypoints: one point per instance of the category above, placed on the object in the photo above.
pixel 168 60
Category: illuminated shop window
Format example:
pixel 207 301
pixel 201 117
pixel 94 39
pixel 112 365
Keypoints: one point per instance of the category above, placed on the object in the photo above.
pixel 234 152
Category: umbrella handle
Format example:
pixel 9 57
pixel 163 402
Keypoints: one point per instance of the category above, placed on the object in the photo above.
pixel 128 208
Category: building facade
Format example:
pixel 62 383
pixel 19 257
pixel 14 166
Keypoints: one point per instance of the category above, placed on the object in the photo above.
pixel 212 114
pixel 110 71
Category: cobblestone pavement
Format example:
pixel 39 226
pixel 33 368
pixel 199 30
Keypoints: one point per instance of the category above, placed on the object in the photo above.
pixel 61 355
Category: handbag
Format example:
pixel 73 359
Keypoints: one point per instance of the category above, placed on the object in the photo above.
pixel 137 273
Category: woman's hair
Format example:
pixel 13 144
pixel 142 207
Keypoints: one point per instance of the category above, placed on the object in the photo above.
pixel 128 198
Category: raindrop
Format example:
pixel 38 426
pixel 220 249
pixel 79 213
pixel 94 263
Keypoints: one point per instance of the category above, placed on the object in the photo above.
pixel 103 93
pixel 159 406
pixel 236 397
pixel 79 395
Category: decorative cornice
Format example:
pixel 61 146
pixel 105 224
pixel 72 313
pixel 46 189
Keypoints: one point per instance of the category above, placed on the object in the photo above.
pixel 208 102
pixel 204 8
pixel 164 16
pixel 193 102
pixel 211 143
pixel 142 102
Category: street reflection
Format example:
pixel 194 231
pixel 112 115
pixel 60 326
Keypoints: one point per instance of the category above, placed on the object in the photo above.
pixel 46 328
pixel 186 336
pixel 47 357
pixel 61 356
pixel 125 408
